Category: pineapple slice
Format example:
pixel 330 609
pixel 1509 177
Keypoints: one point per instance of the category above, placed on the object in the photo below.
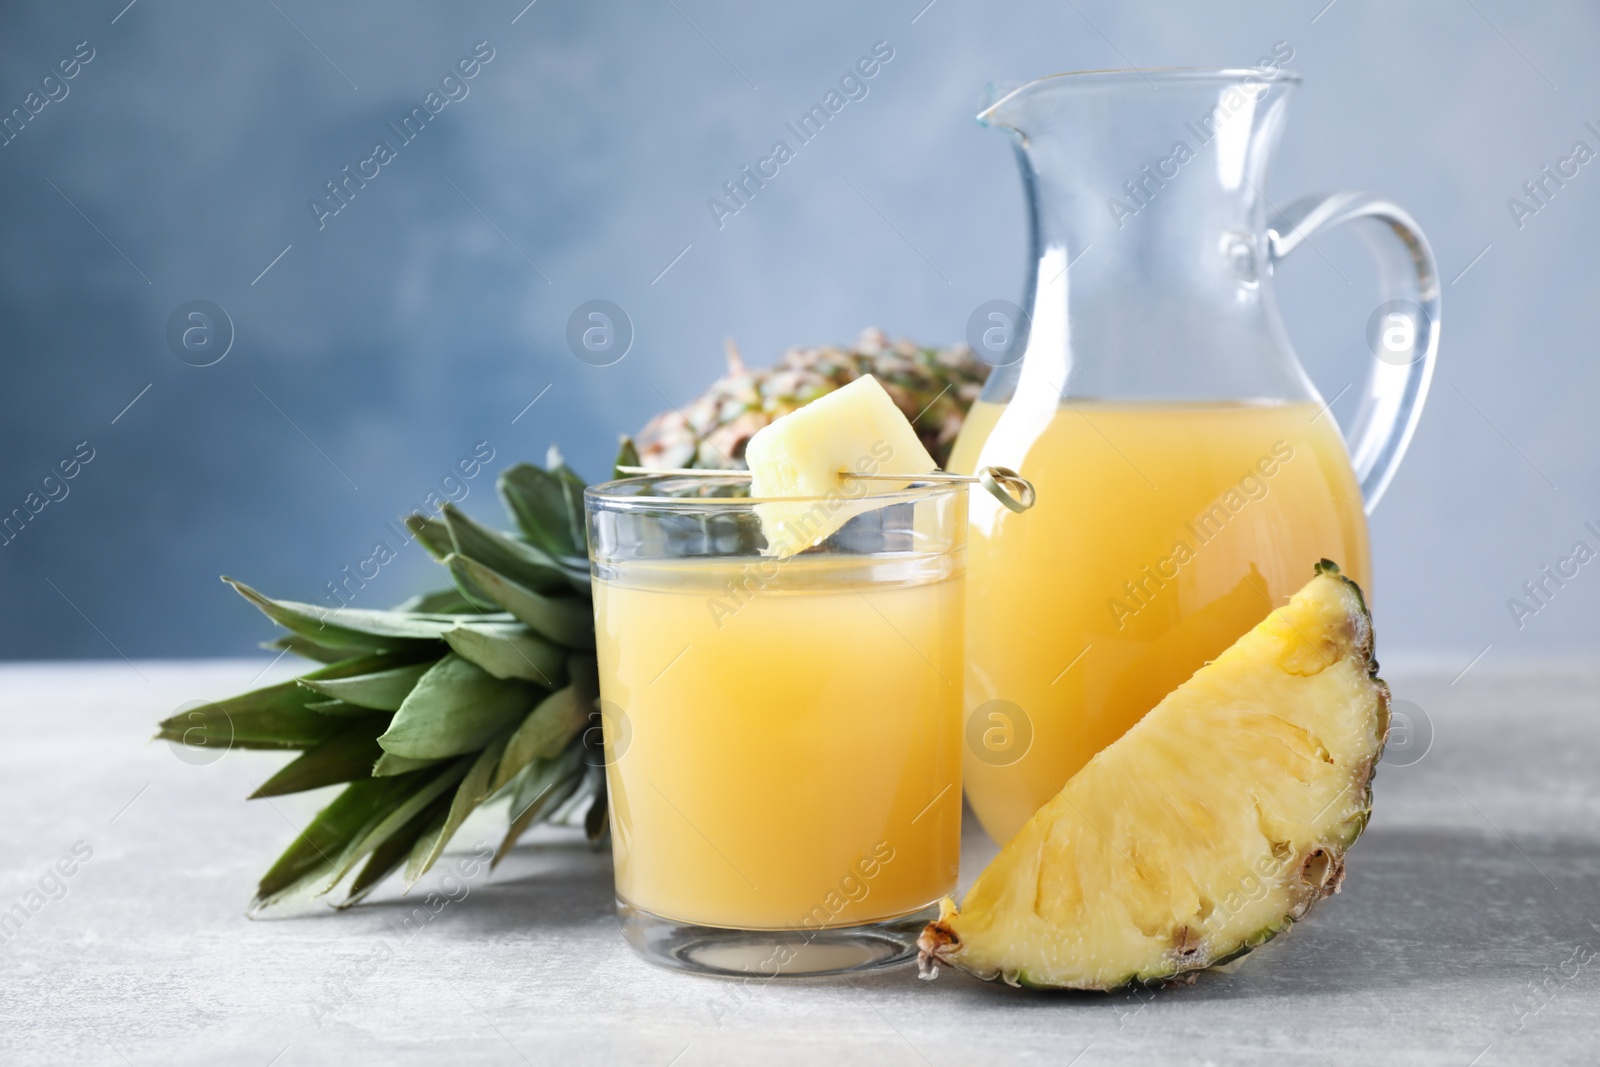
pixel 1206 830
pixel 854 428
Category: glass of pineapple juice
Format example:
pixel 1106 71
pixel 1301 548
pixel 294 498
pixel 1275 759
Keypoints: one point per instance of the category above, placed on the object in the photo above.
pixel 782 733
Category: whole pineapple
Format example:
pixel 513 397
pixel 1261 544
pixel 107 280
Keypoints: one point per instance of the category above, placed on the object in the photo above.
pixel 933 387
pixel 487 690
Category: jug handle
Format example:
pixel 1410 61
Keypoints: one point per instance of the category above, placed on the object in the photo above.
pixel 1407 333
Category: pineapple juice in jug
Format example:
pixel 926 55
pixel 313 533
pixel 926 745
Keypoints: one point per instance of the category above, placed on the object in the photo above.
pixel 1161 533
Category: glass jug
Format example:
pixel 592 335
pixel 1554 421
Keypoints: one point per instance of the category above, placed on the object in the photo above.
pixel 1189 474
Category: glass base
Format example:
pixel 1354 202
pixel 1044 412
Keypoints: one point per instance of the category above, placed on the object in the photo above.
pixel 773 953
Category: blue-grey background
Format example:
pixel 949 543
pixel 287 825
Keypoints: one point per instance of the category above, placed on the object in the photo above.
pixel 376 352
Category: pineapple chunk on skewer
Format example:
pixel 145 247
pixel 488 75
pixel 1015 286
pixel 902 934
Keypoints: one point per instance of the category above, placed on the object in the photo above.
pixel 855 428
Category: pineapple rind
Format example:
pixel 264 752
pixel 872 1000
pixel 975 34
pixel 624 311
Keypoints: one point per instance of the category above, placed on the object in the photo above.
pixel 932 386
pixel 1030 920
pixel 855 428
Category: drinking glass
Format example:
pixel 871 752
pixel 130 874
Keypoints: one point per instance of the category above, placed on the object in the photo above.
pixel 782 733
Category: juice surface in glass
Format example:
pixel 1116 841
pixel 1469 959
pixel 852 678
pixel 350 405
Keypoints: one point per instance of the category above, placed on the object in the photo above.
pixel 1162 533
pixel 786 751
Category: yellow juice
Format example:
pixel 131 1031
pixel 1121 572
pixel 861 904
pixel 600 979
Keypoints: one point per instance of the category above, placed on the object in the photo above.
pixel 783 738
pixel 1162 533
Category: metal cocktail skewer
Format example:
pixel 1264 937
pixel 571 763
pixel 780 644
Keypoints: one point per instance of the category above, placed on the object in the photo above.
pixel 1003 483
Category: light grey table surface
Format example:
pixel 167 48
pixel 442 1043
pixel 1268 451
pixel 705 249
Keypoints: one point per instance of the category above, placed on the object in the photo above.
pixel 1466 932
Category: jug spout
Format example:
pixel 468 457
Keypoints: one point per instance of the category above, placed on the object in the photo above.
pixel 1148 186
pixel 1130 135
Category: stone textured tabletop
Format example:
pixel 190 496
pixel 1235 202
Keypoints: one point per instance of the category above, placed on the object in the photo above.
pixel 1467 932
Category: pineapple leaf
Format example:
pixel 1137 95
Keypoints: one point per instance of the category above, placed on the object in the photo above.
pixel 572 488
pixel 387 857
pixel 541 776
pixel 473 790
pixel 544 733
pixel 545 786
pixel 524 563
pixel 345 757
pixel 584 670
pixel 567 620
pixel 309 649
pixel 358 628
pixel 438 602
pixel 381 690
pixel 275 716
pixel 542 503
pixel 339 707
pixel 455 708
pixel 627 456
pixel 595 823
pixel 432 533
pixel 314 854
pixel 509 652
pixel 389 764
pixel 470 591
pixel 514 832
pixel 581 795
pixel 430 786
